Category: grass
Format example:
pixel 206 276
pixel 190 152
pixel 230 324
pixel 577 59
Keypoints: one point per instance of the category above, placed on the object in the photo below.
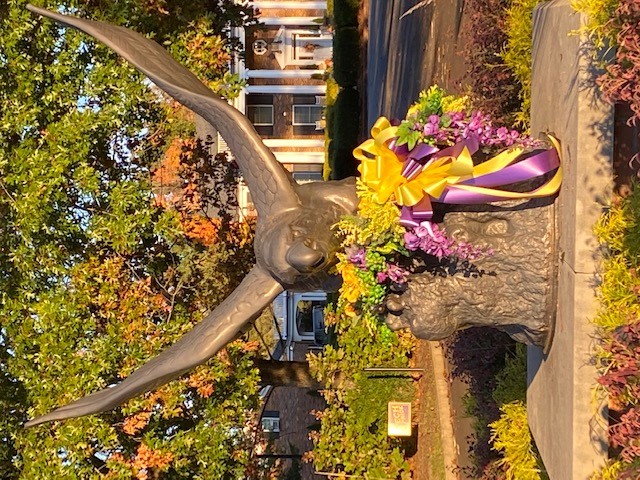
pixel 371 393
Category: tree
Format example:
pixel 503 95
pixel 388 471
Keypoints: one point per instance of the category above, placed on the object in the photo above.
pixel 102 262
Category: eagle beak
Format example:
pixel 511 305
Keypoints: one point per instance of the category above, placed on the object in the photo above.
pixel 304 258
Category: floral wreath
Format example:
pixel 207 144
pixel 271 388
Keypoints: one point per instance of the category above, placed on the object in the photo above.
pixel 427 158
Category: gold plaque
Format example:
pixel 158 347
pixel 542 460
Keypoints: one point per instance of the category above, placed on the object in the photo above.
pixel 399 419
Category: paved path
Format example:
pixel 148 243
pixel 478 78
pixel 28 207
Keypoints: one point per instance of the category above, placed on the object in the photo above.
pixel 408 54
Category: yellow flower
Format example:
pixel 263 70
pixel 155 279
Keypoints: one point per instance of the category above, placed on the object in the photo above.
pixel 351 285
pixel 451 103
pixel 413 109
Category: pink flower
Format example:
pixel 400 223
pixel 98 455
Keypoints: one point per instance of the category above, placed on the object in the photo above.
pixel 397 274
pixel 411 241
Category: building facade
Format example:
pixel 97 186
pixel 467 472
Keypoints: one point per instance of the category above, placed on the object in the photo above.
pixel 286 56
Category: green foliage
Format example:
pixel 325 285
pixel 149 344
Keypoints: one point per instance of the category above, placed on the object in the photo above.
pixel 617 470
pixel 619 232
pixel 407 135
pixel 598 25
pixel 343 110
pixel 356 411
pixel 344 131
pixel 345 13
pixel 333 89
pixel 510 434
pixel 517 55
pixel 346 56
pixel 97 274
pixel 511 381
pixel 490 81
pixel 619 229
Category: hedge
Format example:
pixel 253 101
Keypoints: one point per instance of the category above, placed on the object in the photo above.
pixel 346 56
pixel 345 13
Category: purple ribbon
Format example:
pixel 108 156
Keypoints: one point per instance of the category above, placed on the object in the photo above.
pixel 423 154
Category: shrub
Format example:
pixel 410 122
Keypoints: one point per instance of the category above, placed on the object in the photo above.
pixel 621 82
pixel 510 435
pixel 353 439
pixel 619 319
pixel 493 87
pixel 598 15
pixel 344 132
pixel 477 355
pixel 511 381
pixel 619 232
pixel 346 56
pixel 517 54
pixel 345 13
pixel 346 109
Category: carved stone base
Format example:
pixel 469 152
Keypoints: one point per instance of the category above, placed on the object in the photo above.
pixel 514 290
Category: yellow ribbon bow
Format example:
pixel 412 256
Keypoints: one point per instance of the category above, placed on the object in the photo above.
pixel 381 170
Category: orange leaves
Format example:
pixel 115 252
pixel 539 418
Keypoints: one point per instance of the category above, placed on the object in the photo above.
pixel 200 229
pixel 156 6
pixel 251 346
pixel 135 423
pixel 205 54
pixel 166 177
pixel 175 183
pixel 146 463
pixel 117 294
pixel 202 381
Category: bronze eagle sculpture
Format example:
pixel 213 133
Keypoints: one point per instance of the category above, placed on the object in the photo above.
pixel 294 242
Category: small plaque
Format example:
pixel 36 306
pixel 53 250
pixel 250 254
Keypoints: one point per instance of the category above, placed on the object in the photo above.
pixel 399 419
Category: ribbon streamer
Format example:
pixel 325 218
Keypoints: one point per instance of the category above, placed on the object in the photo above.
pixel 414 179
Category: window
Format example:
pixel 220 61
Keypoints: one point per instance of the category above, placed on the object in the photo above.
pixel 307 114
pixel 271 422
pixel 306 310
pixel 260 115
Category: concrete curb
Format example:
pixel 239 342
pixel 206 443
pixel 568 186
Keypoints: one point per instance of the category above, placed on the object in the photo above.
pixel 450 448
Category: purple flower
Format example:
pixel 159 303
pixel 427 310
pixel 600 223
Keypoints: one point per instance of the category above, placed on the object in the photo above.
pixel 436 243
pixel 421 231
pixel 430 129
pixel 434 119
pixel 381 277
pixel 466 251
pixel 502 133
pixel 357 256
pixel 397 274
pixel 456 117
pixel 411 241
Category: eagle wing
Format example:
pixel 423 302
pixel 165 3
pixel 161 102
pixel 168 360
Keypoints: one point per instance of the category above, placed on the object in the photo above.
pixel 217 329
pixel 271 185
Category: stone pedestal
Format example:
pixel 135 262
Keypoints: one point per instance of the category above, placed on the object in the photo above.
pixel 567 421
